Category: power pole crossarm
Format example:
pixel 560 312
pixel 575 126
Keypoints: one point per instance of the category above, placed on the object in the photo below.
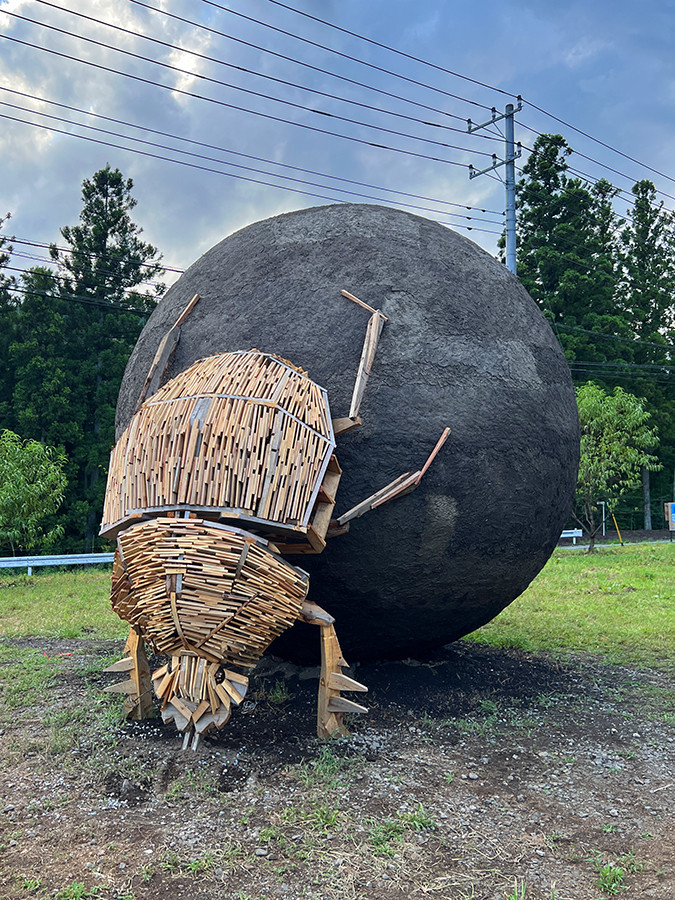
pixel 512 152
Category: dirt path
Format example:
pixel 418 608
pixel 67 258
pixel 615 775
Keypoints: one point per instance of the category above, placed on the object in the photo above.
pixel 478 773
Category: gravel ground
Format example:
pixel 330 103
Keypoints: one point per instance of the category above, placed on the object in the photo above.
pixel 478 773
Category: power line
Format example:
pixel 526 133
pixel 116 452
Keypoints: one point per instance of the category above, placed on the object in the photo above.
pixel 621 365
pixel 238 165
pixel 176 90
pixel 240 68
pixel 250 156
pixel 298 62
pixel 345 55
pixel 56 262
pixel 391 50
pixel 601 143
pixel 591 159
pixel 47 246
pixel 472 80
pixel 200 167
pixel 75 298
pixel 227 84
pixel 618 337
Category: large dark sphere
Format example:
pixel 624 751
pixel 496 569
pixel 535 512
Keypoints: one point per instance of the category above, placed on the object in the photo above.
pixel 465 346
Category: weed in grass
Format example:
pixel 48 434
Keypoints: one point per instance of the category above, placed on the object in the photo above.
pixel 610 876
pixel 175 793
pixel 629 862
pixel 385 833
pixel 75 891
pixel 324 770
pixel 519 891
pixel 201 865
pixel 279 693
pixel 420 820
pixel 289 815
pixel 170 861
pixel 325 816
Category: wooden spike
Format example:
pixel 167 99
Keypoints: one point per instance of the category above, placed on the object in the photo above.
pixel 339 682
pixel 122 665
pixel 442 439
pixel 314 615
pixel 342 705
pixel 122 687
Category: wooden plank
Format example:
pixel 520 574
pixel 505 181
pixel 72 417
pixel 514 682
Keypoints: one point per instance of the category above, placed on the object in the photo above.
pixel 181 707
pixel 122 665
pixel 342 705
pixel 361 303
pixel 345 424
pixel 442 439
pixel 314 614
pixel 365 505
pixel 339 682
pixel 122 687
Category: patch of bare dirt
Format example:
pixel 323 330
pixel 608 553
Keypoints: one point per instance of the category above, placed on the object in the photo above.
pixel 477 773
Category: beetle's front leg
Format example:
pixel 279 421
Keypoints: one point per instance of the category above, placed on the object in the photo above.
pixel 331 705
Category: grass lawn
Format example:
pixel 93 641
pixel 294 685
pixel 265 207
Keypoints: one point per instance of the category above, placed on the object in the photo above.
pixel 71 604
pixel 618 602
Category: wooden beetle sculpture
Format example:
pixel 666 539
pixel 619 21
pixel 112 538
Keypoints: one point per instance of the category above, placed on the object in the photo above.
pixel 222 472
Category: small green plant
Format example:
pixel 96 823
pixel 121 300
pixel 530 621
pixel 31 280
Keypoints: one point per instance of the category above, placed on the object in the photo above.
pixel 75 891
pixel 324 770
pixel 279 693
pixel 609 829
pixel 610 876
pixel 383 834
pixel 519 891
pixel 629 862
pixel 30 884
pixel 147 873
pixel 420 820
pixel 201 865
pixel 170 861
pixel 449 777
pixel 324 815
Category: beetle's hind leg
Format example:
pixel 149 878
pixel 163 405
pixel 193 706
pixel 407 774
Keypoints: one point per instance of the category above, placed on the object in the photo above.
pixel 331 704
pixel 137 686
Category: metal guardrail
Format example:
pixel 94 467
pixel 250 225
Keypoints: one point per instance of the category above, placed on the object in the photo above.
pixel 73 559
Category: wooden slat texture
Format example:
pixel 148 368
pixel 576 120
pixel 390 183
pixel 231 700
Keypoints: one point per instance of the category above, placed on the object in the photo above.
pixel 242 434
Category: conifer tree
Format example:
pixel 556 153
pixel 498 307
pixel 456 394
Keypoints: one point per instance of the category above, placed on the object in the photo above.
pixel 102 274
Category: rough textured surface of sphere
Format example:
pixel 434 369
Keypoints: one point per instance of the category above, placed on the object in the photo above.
pixel 465 346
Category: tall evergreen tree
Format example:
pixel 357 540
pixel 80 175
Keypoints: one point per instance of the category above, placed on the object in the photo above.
pixel 7 324
pixel 100 286
pixel 66 337
pixel 647 293
pixel 567 239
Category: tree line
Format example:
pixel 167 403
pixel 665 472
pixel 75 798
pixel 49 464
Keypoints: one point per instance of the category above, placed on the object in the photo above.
pixel 604 281
pixel 66 334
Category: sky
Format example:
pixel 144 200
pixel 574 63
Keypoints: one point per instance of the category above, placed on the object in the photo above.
pixel 254 83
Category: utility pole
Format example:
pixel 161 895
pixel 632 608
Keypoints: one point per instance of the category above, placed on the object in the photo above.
pixel 512 152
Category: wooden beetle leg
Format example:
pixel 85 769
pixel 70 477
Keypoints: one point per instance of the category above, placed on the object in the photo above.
pixel 404 484
pixel 137 686
pixel 331 705
pixel 373 331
